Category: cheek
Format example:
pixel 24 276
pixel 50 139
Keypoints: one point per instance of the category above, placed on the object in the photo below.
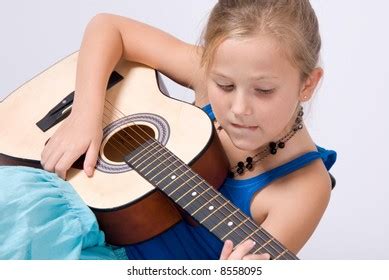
pixel 218 101
pixel 213 91
pixel 279 118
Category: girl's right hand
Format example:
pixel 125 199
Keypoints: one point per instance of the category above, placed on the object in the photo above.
pixel 241 252
pixel 78 134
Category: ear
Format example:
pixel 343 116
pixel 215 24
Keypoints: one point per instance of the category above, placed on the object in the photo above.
pixel 310 84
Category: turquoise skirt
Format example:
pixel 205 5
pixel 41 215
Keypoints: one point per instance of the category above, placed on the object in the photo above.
pixel 42 217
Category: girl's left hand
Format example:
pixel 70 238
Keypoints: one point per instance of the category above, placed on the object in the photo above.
pixel 241 251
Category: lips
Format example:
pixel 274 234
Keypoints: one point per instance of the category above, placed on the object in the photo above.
pixel 244 126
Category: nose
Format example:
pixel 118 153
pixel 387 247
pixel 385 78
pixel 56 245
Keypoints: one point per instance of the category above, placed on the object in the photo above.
pixel 241 105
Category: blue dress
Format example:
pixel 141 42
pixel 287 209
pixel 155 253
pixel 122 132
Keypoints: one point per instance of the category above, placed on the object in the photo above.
pixel 41 216
pixel 184 241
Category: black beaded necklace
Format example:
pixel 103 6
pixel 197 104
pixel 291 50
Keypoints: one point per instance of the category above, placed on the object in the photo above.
pixel 270 149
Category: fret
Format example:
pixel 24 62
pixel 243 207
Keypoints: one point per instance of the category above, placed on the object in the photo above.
pixel 267 248
pixel 209 213
pixel 213 213
pixel 290 256
pixel 201 194
pixel 184 189
pixel 258 234
pixel 167 171
pixel 193 200
pixel 175 187
pixel 129 158
pixel 243 237
pixel 169 174
pixel 143 151
pixel 212 229
pixel 280 255
pixel 177 178
pixel 151 175
pixel 253 233
pixel 204 205
pixel 171 182
pixel 263 245
pixel 273 247
pixel 237 227
pixel 163 157
pixel 162 172
pixel 170 178
pixel 160 159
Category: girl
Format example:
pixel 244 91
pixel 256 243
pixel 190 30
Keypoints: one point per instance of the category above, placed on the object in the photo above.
pixel 255 67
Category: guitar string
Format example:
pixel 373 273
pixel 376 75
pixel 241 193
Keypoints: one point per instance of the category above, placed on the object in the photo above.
pixel 204 190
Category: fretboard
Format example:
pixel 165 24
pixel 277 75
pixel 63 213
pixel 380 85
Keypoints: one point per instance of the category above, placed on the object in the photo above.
pixel 165 171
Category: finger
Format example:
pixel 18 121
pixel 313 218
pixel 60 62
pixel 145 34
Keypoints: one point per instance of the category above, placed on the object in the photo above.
pixel 227 249
pixel 64 163
pixel 265 256
pixel 46 151
pixel 242 249
pixel 52 160
pixel 91 158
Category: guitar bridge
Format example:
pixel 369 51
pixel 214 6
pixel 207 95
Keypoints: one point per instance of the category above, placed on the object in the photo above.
pixel 63 108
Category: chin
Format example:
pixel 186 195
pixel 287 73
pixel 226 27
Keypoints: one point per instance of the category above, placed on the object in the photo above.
pixel 245 145
pixel 248 143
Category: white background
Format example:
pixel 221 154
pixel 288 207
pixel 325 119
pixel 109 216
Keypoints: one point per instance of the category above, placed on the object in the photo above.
pixel 348 114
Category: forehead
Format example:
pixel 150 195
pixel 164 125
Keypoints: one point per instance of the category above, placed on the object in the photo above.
pixel 252 54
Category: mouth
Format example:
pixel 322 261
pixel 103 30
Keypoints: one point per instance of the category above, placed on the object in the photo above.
pixel 244 126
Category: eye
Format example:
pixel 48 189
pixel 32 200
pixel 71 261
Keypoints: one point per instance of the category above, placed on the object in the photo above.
pixel 225 87
pixel 264 91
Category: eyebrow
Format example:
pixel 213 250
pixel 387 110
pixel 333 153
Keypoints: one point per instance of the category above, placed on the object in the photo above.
pixel 254 78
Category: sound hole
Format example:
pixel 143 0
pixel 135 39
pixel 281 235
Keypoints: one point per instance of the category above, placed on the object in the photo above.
pixel 126 140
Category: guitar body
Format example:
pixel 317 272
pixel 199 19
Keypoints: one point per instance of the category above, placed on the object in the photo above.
pixel 129 209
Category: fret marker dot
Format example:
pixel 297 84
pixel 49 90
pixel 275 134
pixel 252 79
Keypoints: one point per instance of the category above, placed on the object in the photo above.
pixel 173 177
pixel 211 207
pixel 194 193
pixel 230 224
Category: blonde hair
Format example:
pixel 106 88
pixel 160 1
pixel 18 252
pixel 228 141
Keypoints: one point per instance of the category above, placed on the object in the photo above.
pixel 292 22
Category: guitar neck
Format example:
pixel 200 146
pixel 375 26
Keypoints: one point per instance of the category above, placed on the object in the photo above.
pixel 167 172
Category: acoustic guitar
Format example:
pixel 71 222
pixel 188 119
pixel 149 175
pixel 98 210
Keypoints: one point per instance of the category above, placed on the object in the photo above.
pixel 160 159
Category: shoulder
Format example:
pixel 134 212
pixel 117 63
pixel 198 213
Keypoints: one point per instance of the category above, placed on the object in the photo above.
pixel 308 182
pixel 293 205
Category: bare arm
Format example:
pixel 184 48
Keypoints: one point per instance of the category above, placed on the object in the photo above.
pixel 107 39
pixel 296 206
